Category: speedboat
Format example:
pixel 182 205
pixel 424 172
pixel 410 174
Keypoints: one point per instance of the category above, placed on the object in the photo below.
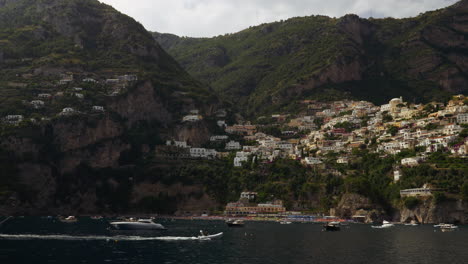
pixel 285 222
pixel 140 224
pixel 332 226
pixel 209 237
pixel 385 224
pixel 234 223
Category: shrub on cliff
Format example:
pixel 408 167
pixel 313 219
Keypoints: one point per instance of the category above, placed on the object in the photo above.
pixel 464 191
pixel 439 197
pixel 411 202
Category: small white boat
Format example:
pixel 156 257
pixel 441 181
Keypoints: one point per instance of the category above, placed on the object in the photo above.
pixel 385 224
pixel 208 237
pixel 140 224
pixel 446 227
pixel 412 223
pixel 285 222
pixel 234 223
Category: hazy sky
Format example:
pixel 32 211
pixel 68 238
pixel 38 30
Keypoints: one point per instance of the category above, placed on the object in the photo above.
pixel 206 18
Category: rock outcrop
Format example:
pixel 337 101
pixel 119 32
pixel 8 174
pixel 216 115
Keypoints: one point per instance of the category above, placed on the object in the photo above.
pixel 427 212
pixel 352 204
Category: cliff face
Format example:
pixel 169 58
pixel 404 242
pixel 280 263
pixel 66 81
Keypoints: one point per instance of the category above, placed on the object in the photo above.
pixel 430 213
pixel 426 212
pixel 92 162
pixel 356 205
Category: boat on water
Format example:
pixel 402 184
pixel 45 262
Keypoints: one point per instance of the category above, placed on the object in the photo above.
pixel 234 223
pixel 284 222
pixel 140 224
pixel 68 219
pixel 385 224
pixel 208 237
pixel 446 227
pixel 332 226
pixel 412 223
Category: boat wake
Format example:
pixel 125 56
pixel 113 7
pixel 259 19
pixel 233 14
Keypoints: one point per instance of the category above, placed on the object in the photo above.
pixel 105 238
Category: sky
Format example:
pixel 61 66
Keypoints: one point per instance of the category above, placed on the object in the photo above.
pixel 207 18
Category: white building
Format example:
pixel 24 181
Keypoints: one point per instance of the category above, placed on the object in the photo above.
pixel 396 175
pixel 413 161
pixel 312 161
pixel 112 81
pixel 221 123
pixel 179 144
pixel 191 118
pixel 284 145
pixel 248 195
pixel 202 153
pixel 14 119
pixel 98 108
pixel 385 108
pixel 37 104
pixel 424 191
pixel 68 110
pixel 128 78
pixel 90 80
pixel 44 95
pixel 233 145
pixel 239 160
pixel 342 160
pixel 462 118
pixel 219 138
pixel 451 129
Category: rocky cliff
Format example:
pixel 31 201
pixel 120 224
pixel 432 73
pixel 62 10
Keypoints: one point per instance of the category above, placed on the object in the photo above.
pixel 352 205
pixel 90 162
pixel 425 212
pixel 428 212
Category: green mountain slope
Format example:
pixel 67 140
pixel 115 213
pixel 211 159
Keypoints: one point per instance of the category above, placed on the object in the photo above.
pixel 122 95
pixel 267 67
pixel 40 40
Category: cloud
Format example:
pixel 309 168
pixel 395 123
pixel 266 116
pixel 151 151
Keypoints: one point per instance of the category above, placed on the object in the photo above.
pixel 206 18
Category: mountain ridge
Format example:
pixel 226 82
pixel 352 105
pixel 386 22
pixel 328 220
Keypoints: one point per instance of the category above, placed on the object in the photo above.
pixel 274 64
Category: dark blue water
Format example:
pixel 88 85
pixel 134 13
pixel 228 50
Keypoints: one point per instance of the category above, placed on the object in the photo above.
pixel 42 240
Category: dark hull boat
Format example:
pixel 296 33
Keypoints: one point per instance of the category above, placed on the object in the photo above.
pixel 235 223
pixel 332 227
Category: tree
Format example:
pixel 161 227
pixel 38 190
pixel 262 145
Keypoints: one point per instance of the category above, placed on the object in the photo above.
pixel 464 191
pixel 411 202
pixel 393 130
pixel 386 117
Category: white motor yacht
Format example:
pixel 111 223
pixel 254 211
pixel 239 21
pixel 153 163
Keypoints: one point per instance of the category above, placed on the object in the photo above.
pixel 140 224
pixel 385 224
pixel 446 227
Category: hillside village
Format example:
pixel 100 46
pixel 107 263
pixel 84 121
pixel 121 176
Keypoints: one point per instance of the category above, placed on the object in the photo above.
pixel 339 127
pixel 71 93
pixel 322 131
pixel 322 136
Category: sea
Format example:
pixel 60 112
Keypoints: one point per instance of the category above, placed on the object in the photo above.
pixel 47 240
